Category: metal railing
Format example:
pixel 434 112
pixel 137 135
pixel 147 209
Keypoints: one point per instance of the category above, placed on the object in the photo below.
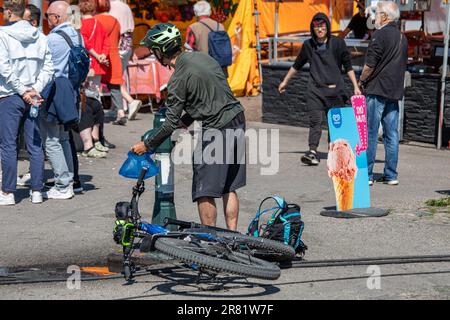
pixel 273 44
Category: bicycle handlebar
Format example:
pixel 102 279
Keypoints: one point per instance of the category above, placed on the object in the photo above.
pixel 142 176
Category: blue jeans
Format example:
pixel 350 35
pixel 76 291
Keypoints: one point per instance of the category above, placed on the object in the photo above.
pixel 13 110
pixel 383 110
pixel 57 147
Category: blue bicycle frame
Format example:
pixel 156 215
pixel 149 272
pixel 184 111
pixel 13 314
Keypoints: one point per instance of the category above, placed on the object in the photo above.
pixel 153 229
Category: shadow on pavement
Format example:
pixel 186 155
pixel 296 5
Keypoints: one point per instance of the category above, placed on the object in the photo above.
pixel 22 194
pixel 206 289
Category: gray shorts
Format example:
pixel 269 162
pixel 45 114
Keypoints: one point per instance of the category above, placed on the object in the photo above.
pixel 214 180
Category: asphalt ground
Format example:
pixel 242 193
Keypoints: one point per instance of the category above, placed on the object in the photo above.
pixel 57 234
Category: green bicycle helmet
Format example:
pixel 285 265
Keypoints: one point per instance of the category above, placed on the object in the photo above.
pixel 163 39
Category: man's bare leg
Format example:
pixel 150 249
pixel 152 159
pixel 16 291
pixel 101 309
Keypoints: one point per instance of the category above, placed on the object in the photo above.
pixel 231 209
pixel 96 132
pixel 86 137
pixel 207 211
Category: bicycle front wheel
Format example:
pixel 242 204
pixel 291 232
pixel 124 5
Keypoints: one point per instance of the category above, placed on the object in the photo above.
pixel 211 256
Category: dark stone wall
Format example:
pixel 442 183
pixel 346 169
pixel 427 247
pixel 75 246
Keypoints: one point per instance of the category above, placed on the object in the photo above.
pixel 421 103
pixel 290 107
pixel 421 109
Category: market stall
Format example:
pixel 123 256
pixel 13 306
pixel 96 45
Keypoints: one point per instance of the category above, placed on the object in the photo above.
pixel 255 25
pixel 425 111
pixel 179 12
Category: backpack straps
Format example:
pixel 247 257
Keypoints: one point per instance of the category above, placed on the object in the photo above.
pixel 66 37
pixel 68 40
pixel 80 39
pixel 208 26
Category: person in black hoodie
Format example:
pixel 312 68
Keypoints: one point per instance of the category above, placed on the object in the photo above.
pixel 327 56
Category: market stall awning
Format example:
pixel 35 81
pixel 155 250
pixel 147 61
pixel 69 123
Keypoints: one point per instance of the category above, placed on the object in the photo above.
pixel 294 17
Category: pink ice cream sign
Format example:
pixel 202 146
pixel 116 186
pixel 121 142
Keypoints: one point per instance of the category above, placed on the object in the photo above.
pixel 359 108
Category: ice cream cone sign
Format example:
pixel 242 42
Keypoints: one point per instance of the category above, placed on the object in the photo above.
pixel 347 159
pixel 342 170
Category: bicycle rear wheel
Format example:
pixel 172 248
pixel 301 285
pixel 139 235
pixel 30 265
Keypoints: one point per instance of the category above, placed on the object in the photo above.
pixel 213 256
pixel 262 248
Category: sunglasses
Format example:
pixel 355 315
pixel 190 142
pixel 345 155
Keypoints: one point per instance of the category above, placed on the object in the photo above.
pixel 51 14
pixel 323 27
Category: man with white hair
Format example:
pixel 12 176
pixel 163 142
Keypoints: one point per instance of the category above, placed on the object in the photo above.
pixel 197 33
pixel 383 82
pixel 63 99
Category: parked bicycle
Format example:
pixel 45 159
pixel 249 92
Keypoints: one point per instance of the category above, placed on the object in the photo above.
pixel 209 250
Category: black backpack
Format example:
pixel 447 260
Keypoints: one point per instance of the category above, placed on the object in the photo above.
pixel 285 224
pixel 219 46
pixel 79 61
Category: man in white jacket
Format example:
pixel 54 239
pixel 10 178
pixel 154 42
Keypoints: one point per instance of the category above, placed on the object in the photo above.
pixel 25 70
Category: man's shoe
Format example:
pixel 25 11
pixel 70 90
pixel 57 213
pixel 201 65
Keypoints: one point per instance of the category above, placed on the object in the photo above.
pixel 120 122
pixel 133 109
pixel 370 183
pixel 393 182
pixel 94 153
pixel 25 180
pixel 311 158
pixel 59 194
pixel 100 147
pixel 7 199
pixel 36 197
pixel 108 144
pixel 77 187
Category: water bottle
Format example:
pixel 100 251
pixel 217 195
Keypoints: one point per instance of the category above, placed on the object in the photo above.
pixel 34 110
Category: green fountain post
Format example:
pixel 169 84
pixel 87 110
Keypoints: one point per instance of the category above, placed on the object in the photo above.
pixel 164 181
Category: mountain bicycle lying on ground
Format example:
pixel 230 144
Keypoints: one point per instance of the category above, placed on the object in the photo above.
pixel 206 249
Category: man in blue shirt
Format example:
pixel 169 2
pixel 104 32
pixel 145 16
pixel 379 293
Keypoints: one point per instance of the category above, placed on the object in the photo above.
pixel 57 137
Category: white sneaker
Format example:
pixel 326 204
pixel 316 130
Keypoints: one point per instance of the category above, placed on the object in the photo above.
pixel 25 180
pixel 133 109
pixel 59 194
pixel 36 197
pixel 7 199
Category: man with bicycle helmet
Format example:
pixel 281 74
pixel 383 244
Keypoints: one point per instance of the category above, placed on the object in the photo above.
pixel 199 88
